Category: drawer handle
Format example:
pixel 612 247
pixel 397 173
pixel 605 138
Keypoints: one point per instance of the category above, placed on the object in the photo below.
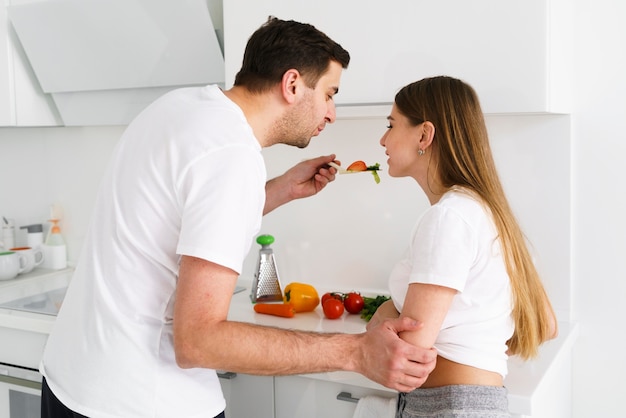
pixel 226 375
pixel 347 396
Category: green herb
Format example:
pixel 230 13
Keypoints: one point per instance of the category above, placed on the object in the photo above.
pixel 371 305
pixel 374 168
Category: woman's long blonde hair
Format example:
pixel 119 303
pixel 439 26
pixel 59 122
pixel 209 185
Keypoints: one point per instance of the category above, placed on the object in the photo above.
pixel 464 160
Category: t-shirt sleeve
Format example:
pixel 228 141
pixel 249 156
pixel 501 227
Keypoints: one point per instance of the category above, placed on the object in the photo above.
pixel 443 249
pixel 222 195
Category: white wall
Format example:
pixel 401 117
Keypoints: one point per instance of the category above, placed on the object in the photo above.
pixel 62 166
pixel 599 205
pixel 352 234
pixel 53 168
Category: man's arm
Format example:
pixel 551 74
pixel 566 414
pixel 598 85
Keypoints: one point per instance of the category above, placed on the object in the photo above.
pixel 302 180
pixel 203 337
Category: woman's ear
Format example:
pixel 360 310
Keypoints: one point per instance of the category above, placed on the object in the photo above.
pixel 428 133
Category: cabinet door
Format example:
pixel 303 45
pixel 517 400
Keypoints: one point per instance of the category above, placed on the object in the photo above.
pixel 303 397
pixel 33 107
pixel 22 101
pixel 7 117
pixel 505 50
pixel 247 396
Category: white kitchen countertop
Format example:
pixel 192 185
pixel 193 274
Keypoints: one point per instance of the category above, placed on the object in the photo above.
pixel 36 282
pixel 523 380
pixel 23 335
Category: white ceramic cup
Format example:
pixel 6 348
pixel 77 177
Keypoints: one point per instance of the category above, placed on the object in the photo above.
pixel 11 264
pixel 34 257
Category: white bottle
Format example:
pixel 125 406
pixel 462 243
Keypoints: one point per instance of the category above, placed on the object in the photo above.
pixel 54 250
pixel 8 234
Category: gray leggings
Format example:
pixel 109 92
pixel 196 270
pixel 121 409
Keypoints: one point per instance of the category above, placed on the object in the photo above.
pixel 458 401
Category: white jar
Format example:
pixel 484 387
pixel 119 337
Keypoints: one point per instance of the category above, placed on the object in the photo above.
pixel 35 235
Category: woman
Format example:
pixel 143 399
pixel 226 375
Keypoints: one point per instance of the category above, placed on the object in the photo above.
pixel 467 275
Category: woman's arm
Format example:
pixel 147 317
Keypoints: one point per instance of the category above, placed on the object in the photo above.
pixel 428 304
pixel 552 322
pixel 384 311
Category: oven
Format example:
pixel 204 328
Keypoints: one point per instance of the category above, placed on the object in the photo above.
pixel 20 392
pixel 28 308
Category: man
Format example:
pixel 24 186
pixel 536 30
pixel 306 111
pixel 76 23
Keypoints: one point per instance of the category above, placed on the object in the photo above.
pixel 144 323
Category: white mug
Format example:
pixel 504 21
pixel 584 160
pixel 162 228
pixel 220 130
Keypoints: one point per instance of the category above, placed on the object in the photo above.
pixel 34 257
pixel 11 264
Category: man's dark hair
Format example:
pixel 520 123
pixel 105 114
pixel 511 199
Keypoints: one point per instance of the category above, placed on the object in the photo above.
pixel 281 45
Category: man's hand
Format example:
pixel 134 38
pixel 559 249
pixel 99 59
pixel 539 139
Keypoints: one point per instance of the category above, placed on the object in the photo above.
pixel 393 362
pixel 302 180
pixel 384 311
pixel 309 177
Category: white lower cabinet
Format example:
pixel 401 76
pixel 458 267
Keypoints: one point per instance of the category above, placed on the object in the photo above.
pixel 303 397
pixel 247 396
pixel 290 396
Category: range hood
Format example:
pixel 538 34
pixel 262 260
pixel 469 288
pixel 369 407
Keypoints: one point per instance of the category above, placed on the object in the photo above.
pixel 103 61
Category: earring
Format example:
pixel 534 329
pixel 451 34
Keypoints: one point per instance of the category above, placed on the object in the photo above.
pixel 420 152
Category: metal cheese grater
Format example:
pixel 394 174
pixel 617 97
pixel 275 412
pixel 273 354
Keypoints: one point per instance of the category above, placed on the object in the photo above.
pixel 266 284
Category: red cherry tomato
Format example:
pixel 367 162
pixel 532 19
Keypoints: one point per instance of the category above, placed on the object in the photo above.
pixel 333 308
pixel 330 295
pixel 354 302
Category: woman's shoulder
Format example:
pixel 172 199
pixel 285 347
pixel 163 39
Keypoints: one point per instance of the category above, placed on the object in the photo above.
pixel 459 199
pixel 464 206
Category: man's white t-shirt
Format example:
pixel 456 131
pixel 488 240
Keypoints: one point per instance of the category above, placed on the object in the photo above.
pixel 187 178
pixel 455 244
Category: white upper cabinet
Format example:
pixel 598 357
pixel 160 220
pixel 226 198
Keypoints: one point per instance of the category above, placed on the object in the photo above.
pixel 22 101
pixel 100 62
pixel 6 82
pixel 515 54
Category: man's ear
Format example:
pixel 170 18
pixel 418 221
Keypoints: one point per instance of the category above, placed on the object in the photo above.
pixel 290 84
pixel 428 133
